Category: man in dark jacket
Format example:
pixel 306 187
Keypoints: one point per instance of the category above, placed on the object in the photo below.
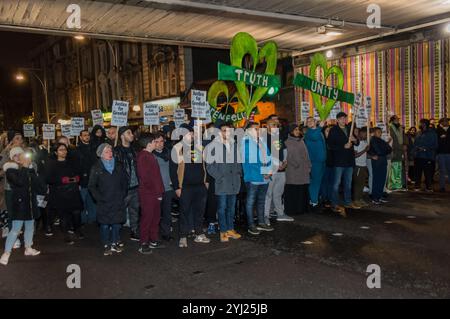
pixel 340 143
pixel 443 152
pixel 378 152
pixel 125 155
pixel 86 158
pixel 425 146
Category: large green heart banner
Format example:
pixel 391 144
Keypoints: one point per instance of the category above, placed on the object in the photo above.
pixel 232 73
pixel 316 87
pixel 319 90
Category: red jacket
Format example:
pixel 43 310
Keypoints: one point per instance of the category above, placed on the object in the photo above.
pixel 150 180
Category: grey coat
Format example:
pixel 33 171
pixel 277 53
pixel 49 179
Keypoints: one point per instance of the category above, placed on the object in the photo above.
pixel 298 163
pixel 227 173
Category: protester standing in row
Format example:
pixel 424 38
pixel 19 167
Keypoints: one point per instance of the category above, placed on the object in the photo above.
pixel 443 152
pixel 257 174
pixel 315 142
pixel 126 156
pixel 108 184
pixel 226 170
pixel 64 178
pixel 296 198
pixel 425 147
pixel 360 172
pixel 395 174
pixel 151 190
pixel 24 188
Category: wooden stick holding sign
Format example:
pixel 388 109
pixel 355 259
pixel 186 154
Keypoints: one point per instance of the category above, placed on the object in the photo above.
pixel 356 106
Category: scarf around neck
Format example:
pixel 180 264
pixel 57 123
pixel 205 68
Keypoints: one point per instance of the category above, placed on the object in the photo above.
pixel 109 165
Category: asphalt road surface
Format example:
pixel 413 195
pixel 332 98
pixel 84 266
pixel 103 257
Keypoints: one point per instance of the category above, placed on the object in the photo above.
pixel 318 256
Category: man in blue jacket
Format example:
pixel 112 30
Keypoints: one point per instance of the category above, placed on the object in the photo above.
pixel 256 166
pixel 340 143
pixel 425 146
pixel 315 142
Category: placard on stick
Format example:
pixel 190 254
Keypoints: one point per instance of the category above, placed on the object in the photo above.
pixel 28 130
pixel 199 104
pixel 66 130
pixel 97 117
pixel 48 131
pixel 178 117
pixel 151 114
pixel 77 125
pixel 120 113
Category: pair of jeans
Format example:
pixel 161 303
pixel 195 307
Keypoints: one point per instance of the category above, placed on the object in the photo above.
pixel 360 174
pixel 226 208
pixel 274 195
pixel 15 231
pixel 425 166
pixel 192 209
pixel 379 170
pixel 345 174
pixel 256 194
pixel 444 169
pixel 317 172
pixel 132 206
pixel 89 214
pixel 166 213
pixel 110 234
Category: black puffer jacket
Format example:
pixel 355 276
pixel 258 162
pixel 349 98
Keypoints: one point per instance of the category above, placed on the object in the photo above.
pixel 109 191
pixel 25 186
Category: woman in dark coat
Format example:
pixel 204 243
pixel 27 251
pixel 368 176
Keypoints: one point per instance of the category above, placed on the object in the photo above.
pixel 98 137
pixel 108 184
pixel 25 185
pixel 63 177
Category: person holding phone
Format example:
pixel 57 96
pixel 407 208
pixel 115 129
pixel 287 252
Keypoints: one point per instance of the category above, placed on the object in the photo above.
pixel 24 187
pixel 65 197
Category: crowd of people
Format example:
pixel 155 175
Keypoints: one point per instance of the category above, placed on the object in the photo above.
pixel 148 177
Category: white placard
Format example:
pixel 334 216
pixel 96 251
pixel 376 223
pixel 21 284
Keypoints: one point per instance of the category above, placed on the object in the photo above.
pixel 97 117
pixel 199 104
pixel 151 114
pixel 304 110
pixel 358 101
pixel 77 125
pixel 66 130
pixel 28 130
pixel 335 110
pixel 384 129
pixel 178 117
pixel 120 113
pixel 48 131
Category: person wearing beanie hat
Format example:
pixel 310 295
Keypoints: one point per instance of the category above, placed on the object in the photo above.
pixel 126 155
pixel 108 184
pixel 15 151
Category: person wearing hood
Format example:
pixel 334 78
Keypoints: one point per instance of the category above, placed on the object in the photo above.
pixel 395 174
pixel 108 185
pixel 425 147
pixel 296 199
pixel 86 159
pixel 24 209
pixel 98 137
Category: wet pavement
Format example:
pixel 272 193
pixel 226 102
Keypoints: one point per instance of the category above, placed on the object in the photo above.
pixel 320 255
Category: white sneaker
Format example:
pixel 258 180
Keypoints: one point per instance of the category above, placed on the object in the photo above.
pixel 202 239
pixel 31 252
pixel 17 244
pixel 183 243
pixel 5 258
pixel 285 218
pixel 366 189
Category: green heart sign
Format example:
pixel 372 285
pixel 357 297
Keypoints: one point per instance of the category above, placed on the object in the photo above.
pixel 319 60
pixel 241 45
pixel 217 89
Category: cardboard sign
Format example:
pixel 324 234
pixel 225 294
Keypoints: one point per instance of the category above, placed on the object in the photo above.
pixel 97 117
pixel 120 113
pixel 48 131
pixel 151 114
pixel 28 130
pixel 66 130
pixel 335 110
pixel 199 104
pixel 178 117
pixel 304 110
pixel 77 125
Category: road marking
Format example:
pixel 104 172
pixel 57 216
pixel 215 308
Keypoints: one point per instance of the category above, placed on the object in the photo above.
pixel 364 227
pixel 411 217
pixel 338 234
pixel 388 222
pixel 307 242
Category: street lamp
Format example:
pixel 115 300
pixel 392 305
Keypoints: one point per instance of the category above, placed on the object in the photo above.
pixel 21 77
